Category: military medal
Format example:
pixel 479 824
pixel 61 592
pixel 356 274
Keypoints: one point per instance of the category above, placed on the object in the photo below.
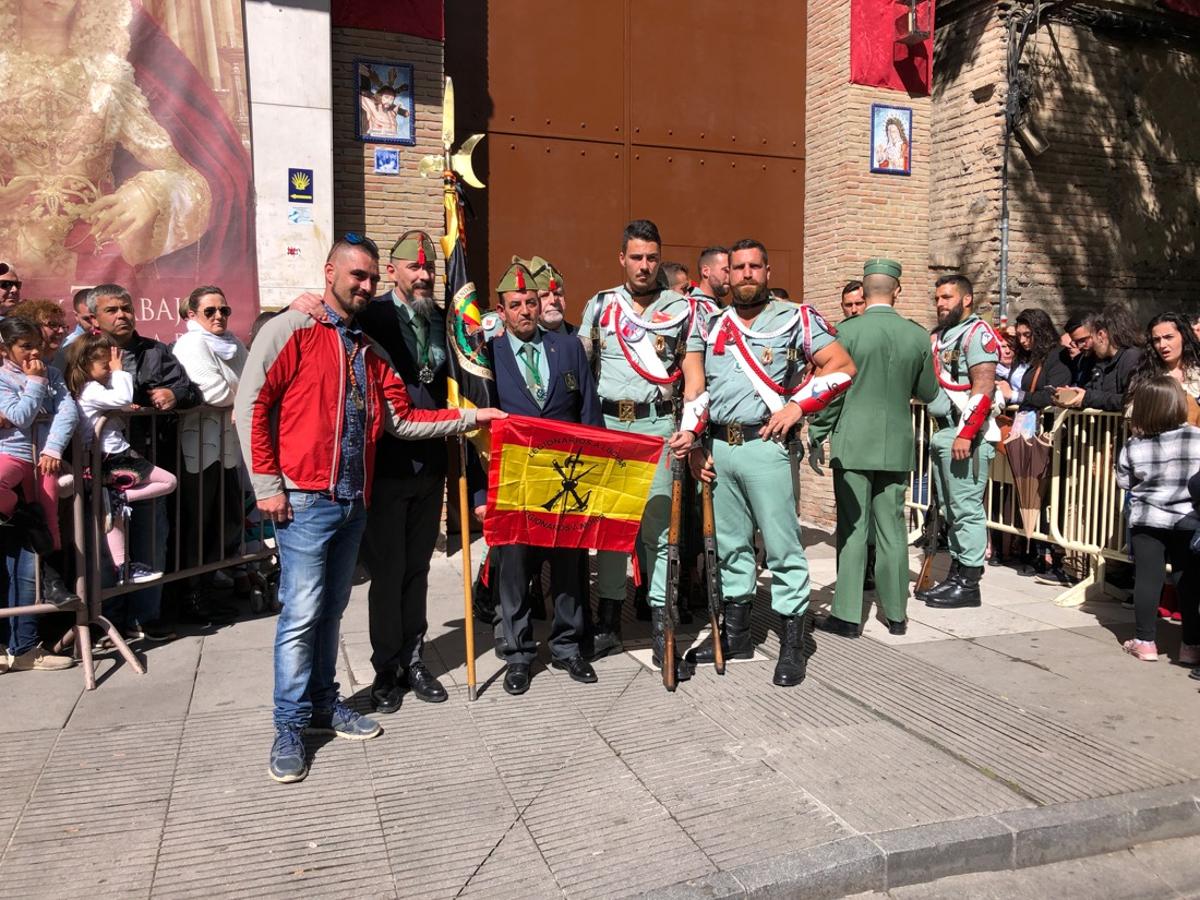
pixel 540 393
pixel 767 356
pixel 660 343
pixel 570 380
pixel 426 375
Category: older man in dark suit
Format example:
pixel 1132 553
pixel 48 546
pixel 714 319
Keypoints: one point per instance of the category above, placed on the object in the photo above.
pixel 543 374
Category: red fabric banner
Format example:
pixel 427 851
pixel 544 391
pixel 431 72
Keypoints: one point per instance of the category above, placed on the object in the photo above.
pixel 878 58
pixel 555 484
pixel 420 18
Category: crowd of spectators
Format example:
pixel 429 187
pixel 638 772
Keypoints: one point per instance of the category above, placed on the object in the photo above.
pixel 159 472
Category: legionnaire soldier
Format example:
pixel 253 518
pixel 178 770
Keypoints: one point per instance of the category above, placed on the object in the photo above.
pixel 965 353
pixel 712 273
pixel 546 375
pixel 552 295
pixel 871 449
pixel 636 335
pixel 749 355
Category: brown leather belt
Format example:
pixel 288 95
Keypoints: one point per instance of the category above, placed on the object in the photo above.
pixel 628 411
pixel 735 434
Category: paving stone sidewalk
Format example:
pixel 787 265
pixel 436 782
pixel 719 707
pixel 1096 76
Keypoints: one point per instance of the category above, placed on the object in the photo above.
pixel 1011 735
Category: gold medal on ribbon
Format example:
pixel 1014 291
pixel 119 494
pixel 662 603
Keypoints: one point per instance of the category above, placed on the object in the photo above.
pixel 660 343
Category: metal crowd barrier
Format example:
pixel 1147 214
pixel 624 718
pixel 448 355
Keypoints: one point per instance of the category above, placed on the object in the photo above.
pixel 84 543
pixel 1083 511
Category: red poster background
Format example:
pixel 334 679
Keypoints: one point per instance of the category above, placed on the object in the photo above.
pixel 877 58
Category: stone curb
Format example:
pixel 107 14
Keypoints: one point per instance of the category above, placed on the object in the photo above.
pixel 1010 840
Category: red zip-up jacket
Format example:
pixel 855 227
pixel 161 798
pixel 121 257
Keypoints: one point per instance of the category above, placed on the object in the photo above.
pixel 290 404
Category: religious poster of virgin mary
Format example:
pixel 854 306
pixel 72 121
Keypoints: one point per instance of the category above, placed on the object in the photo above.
pixel 891 139
pixel 125 152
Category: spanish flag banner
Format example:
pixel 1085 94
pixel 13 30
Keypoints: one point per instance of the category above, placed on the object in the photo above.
pixel 557 484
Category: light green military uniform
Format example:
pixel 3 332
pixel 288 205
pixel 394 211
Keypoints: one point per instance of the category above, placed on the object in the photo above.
pixel 871 449
pixel 961 483
pixel 753 487
pixel 619 381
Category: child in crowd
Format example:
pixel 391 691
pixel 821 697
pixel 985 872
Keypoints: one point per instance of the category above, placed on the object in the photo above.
pixel 1161 455
pixel 27 389
pixel 97 378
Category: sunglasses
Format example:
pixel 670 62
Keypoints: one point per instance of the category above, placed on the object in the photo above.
pixel 210 311
pixel 10 285
pixel 353 237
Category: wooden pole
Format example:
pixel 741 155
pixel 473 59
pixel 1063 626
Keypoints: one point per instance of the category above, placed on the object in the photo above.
pixel 464 519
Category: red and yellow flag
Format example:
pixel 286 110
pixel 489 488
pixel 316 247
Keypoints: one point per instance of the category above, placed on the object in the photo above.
pixel 556 484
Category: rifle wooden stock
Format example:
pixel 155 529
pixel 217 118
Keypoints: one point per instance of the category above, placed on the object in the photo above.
pixel 712 575
pixel 929 536
pixel 671 605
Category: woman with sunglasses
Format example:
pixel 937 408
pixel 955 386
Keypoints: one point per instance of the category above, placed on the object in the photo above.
pixel 213 359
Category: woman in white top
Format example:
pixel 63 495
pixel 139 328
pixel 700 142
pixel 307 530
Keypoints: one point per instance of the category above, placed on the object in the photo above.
pixel 213 359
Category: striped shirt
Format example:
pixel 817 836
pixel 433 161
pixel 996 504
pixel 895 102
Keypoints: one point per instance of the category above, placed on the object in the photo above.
pixel 1155 472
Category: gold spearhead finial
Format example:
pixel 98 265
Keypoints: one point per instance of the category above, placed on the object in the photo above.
pixel 457 162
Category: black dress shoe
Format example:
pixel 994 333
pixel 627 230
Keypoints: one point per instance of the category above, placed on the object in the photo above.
pixel 386 694
pixel 422 683
pixel 898 628
pixel 577 667
pixel 837 626
pixel 516 679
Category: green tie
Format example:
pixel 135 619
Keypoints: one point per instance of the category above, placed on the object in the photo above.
pixel 533 377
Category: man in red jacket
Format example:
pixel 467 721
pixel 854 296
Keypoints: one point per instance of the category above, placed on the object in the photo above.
pixel 314 399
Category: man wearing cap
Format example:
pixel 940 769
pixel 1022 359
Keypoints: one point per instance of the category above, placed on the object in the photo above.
pixel 965 355
pixel 543 374
pixel 872 449
pixel 636 335
pixel 552 296
pixel 410 478
pixel 752 357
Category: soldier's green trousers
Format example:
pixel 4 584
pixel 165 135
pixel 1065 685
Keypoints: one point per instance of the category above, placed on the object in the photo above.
pixel 652 537
pixel 754 489
pixel 961 485
pixel 869 501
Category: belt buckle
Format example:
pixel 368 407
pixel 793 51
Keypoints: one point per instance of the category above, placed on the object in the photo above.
pixel 733 435
pixel 625 411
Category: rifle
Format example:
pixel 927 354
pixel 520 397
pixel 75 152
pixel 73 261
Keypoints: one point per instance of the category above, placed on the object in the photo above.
pixel 714 577
pixel 671 605
pixel 929 534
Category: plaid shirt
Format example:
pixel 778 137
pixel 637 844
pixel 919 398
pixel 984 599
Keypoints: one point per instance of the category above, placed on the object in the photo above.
pixel 1155 471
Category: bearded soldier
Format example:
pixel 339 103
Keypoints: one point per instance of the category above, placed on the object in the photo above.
pixel 636 335
pixel 965 353
pixel 750 355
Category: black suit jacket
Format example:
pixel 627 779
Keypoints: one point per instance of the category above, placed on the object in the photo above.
pixel 1056 372
pixel 395 458
pixel 570 393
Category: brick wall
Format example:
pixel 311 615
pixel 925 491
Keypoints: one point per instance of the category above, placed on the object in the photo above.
pixel 849 213
pixel 1111 211
pixel 385 206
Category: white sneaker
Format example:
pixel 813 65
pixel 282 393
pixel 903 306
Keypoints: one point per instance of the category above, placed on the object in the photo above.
pixel 140 573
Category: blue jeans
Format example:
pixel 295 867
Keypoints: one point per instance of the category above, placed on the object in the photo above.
pixel 317 553
pixel 23 630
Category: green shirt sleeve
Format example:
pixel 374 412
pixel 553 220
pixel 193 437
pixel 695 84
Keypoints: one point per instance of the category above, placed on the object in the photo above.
pixel 982 347
pixel 821 335
pixel 697 336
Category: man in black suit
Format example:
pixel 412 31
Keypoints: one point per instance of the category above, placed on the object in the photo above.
pixel 410 479
pixel 543 374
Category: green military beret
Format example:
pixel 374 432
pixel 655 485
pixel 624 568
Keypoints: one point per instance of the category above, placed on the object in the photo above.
pixel 547 277
pixel 516 277
pixel 416 246
pixel 881 266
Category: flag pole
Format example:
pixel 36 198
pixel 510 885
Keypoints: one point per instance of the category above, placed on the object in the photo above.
pixel 464 518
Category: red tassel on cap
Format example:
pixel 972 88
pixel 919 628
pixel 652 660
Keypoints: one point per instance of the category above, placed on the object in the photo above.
pixel 553 285
pixel 421 254
pixel 520 280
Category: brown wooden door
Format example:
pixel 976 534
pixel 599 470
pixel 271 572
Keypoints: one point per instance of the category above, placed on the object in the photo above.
pixel 598 112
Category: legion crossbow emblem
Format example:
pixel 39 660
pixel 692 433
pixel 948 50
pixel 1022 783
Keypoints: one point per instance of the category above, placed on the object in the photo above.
pixel 568 494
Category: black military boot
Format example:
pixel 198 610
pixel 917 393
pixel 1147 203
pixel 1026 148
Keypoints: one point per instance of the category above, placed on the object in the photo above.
pixel 55 590
pixel 735 637
pixel 792 664
pixel 607 637
pixel 964 591
pixel 658 641
pixel 942 586
pixel 869 572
